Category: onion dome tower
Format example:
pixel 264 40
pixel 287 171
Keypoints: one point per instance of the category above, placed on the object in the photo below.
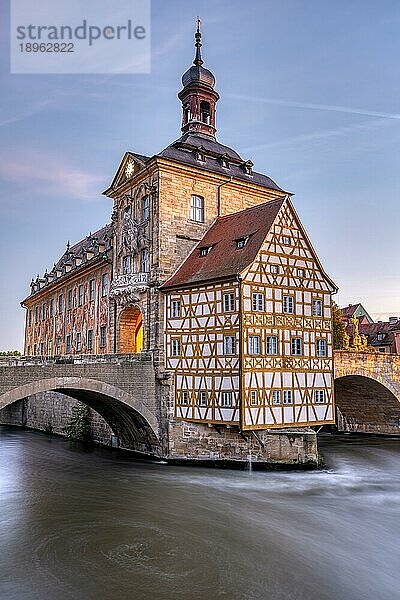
pixel 198 96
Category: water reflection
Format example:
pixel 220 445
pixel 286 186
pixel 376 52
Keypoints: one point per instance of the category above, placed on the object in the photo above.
pixel 96 525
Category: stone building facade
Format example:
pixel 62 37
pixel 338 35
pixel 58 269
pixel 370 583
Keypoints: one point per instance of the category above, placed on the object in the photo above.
pixel 164 206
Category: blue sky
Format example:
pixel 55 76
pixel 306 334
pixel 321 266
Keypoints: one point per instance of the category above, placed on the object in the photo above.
pixel 309 91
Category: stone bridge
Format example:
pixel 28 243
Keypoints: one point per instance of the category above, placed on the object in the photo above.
pixel 121 388
pixel 126 392
pixel 367 392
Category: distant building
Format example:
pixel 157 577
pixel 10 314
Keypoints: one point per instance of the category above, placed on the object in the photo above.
pixel 382 336
pixel 357 310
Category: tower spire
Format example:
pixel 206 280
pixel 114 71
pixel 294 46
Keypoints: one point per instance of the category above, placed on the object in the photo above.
pixel 198 61
pixel 198 95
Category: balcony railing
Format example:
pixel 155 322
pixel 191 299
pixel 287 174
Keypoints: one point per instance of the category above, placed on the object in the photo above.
pixel 126 285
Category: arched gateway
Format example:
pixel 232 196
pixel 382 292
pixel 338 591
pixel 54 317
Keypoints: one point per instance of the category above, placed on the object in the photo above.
pixel 131 331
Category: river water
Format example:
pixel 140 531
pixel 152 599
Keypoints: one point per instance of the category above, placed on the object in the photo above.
pixel 97 525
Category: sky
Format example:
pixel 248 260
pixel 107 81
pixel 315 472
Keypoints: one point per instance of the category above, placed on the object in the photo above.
pixel 309 91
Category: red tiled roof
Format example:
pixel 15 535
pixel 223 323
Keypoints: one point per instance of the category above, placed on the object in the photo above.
pixel 224 259
pixel 348 311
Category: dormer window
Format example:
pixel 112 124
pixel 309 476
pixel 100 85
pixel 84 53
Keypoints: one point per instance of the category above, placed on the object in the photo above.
pixel 224 162
pixel 200 156
pixel 248 167
pixel 241 242
pixel 379 337
pixel 205 250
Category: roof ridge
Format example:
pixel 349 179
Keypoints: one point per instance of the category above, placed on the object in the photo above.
pixel 238 212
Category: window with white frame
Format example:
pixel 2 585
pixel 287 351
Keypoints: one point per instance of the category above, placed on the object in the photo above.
pixel 42 348
pixel 176 347
pixel 44 312
pixel 254 344
pixel 321 347
pixel 272 344
pixel 241 242
pixel 274 269
pixel 203 398
pixel 253 397
pixel 317 308
pixel 287 397
pixel 78 342
pixel 288 304
pixel 300 272
pixel 58 345
pixel 205 250
pixel 258 301
pixel 175 309
pixel 70 300
pixel 185 398
pixel 287 240
pixel 229 344
pixel 319 396
pixel 51 307
pixel 229 302
pixel 197 209
pixel 126 265
pixel 276 396
pixel 226 399
pixel 60 303
pixel 68 344
pixel 297 346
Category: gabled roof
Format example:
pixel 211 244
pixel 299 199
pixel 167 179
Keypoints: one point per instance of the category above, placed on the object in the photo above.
pixel 224 260
pixel 349 311
pixel 120 177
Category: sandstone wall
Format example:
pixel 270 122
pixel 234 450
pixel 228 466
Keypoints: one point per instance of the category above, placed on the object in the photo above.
pixel 55 409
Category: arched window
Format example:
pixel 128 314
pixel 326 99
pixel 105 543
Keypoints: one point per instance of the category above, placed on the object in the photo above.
pixel 205 112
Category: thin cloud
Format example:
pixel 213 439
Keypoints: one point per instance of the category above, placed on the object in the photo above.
pixel 36 108
pixel 316 136
pixel 312 106
pixel 49 174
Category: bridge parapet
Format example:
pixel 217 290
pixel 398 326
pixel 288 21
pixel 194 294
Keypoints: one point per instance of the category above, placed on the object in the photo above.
pixel 78 359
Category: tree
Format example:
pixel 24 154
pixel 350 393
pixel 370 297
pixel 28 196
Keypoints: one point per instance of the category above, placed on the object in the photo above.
pixel 78 428
pixel 340 337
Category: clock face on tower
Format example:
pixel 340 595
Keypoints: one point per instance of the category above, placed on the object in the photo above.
pixel 129 169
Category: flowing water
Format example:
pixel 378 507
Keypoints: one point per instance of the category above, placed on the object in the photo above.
pixel 97 525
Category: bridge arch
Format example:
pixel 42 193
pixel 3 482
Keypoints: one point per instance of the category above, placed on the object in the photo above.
pixel 367 404
pixel 130 419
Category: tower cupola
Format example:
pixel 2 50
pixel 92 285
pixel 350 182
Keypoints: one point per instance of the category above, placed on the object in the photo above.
pixel 198 96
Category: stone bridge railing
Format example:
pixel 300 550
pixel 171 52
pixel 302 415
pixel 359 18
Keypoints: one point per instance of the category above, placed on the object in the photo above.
pixel 384 368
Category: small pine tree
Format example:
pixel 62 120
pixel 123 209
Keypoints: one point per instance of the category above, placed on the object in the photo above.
pixel 78 428
pixel 340 337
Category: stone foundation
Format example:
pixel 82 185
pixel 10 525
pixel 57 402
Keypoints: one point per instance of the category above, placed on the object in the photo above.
pixel 52 408
pixel 198 442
